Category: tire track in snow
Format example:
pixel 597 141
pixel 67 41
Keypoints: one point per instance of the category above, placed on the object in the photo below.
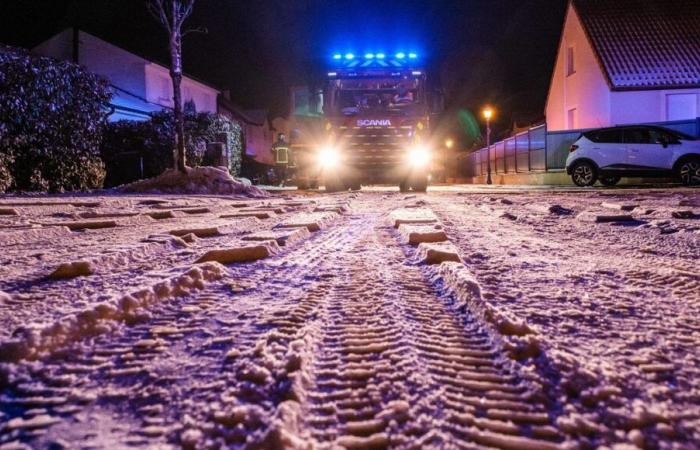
pixel 395 367
pixel 161 376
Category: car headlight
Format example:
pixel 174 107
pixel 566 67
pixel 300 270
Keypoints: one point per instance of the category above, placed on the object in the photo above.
pixel 419 156
pixel 328 157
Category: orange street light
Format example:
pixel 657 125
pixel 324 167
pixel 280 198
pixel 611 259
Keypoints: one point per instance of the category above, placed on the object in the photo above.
pixel 449 143
pixel 488 114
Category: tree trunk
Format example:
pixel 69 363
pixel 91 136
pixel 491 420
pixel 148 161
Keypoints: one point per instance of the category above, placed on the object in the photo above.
pixel 176 75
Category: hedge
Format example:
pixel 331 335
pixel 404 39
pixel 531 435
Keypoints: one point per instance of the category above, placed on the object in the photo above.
pixel 133 150
pixel 52 117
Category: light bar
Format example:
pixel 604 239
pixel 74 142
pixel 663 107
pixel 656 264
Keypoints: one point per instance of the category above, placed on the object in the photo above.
pixel 349 56
pixel 381 56
pixel 400 55
pixel 369 56
pixel 337 56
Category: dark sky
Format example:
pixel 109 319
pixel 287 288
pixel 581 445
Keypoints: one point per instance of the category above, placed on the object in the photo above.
pixel 497 51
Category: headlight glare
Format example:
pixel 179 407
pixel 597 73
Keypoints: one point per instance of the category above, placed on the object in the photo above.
pixel 419 156
pixel 328 157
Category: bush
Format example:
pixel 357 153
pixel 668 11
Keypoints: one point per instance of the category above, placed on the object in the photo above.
pixel 52 117
pixel 134 150
pixel 5 174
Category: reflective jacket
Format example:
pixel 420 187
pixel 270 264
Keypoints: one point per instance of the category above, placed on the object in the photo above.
pixel 280 151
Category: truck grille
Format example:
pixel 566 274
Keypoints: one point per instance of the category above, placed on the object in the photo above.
pixel 374 146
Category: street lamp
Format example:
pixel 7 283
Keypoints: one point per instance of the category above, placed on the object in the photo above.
pixel 488 114
pixel 449 143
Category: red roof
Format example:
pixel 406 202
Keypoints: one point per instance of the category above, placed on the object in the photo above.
pixel 644 44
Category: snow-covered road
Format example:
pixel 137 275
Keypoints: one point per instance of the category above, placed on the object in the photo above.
pixel 498 319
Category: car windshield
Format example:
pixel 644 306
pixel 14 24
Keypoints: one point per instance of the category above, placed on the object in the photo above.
pixel 357 97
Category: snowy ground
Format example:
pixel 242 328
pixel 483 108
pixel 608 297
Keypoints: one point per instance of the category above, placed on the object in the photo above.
pixel 464 318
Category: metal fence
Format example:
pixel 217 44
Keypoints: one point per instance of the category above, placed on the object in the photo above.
pixel 539 150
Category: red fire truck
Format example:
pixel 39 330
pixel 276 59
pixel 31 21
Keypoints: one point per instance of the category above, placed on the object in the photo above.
pixel 376 120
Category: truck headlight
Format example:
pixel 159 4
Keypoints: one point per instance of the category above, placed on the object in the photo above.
pixel 419 156
pixel 328 157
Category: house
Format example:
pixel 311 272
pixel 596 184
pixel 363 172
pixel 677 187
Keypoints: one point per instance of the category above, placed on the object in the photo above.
pixel 626 61
pixel 258 135
pixel 140 86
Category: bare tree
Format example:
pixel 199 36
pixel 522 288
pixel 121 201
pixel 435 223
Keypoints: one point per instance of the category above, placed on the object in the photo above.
pixel 172 15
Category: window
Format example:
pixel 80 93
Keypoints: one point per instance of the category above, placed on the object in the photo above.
pixel 681 106
pixel 611 136
pixel 572 119
pixel 637 136
pixel 570 61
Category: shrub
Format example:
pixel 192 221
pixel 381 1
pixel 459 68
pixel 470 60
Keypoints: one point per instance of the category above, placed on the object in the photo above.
pixel 134 150
pixel 52 117
pixel 5 175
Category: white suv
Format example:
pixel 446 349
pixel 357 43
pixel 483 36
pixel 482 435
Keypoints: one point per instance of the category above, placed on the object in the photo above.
pixel 609 154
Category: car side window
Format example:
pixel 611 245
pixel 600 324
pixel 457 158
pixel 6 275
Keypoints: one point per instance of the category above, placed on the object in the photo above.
pixel 638 136
pixel 606 136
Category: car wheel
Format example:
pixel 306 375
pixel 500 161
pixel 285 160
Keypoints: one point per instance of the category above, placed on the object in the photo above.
pixel 584 174
pixel 609 181
pixel 689 172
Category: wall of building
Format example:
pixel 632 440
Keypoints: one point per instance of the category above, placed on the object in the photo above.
pixel 585 92
pixel 159 89
pixel 630 107
pixel 141 85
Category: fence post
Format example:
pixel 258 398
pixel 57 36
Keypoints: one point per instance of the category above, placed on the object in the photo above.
pixel 546 164
pixel 529 150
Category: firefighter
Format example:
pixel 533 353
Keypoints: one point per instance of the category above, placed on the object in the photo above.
pixel 281 152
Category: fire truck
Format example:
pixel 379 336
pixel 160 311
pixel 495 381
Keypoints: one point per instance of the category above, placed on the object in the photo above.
pixel 376 125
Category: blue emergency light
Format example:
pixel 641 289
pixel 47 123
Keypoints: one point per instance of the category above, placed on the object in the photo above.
pixel 370 58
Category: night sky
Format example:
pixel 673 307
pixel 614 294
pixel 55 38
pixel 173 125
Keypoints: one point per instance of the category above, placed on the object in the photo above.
pixel 482 51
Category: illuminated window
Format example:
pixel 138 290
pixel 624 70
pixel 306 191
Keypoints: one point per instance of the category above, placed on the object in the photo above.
pixel 570 61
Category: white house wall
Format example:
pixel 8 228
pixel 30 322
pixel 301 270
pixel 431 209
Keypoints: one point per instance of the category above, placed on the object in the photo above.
pixel 586 91
pixel 142 85
pixel 160 89
pixel 628 107
pixel 60 46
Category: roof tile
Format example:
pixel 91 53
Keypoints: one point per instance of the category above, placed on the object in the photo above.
pixel 645 44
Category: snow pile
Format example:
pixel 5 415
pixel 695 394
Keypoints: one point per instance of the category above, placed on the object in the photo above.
pixel 417 234
pixel 30 343
pixel 114 260
pixel 412 217
pixel 196 180
pixel 312 221
pixel 437 253
pixel 246 253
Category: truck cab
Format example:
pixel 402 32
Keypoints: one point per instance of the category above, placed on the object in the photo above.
pixel 376 124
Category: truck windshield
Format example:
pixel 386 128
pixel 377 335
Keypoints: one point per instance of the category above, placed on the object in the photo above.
pixel 357 97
